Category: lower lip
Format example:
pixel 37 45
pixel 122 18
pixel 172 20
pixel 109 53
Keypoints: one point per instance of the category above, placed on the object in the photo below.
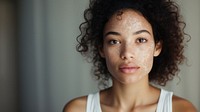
pixel 129 70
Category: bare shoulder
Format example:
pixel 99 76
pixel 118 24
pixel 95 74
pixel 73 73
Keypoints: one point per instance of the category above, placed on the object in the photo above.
pixel 182 105
pixel 76 105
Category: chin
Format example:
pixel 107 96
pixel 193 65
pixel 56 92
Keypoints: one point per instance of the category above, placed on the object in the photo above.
pixel 130 79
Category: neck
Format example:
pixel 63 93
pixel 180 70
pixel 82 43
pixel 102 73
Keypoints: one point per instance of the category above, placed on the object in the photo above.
pixel 130 95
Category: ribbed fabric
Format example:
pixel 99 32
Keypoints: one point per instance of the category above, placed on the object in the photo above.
pixel 164 103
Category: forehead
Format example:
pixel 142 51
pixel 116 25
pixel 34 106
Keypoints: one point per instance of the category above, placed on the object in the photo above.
pixel 127 18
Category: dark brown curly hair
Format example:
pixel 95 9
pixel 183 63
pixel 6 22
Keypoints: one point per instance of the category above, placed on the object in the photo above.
pixel 168 28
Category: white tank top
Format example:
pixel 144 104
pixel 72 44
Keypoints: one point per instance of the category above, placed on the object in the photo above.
pixel 164 103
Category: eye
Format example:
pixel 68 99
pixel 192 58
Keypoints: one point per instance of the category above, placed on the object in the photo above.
pixel 113 42
pixel 141 40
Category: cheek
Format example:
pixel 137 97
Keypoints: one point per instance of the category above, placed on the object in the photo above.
pixel 145 59
pixel 111 56
pixel 111 53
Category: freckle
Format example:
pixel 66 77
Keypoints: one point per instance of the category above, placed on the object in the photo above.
pixel 146 58
pixel 116 51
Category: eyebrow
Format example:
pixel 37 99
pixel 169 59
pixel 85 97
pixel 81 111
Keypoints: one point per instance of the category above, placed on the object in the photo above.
pixel 118 34
pixel 111 33
pixel 141 31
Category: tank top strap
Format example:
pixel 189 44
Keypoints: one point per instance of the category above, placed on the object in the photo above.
pixel 165 101
pixel 93 103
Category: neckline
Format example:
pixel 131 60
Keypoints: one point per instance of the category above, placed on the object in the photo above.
pixel 157 108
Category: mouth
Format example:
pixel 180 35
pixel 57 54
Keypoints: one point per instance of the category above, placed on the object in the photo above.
pixel 128 69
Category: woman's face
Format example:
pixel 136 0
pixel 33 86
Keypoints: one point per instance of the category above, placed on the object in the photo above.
pixel 129 46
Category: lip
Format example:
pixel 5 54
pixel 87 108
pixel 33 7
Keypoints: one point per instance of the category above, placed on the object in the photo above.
pixel 128 69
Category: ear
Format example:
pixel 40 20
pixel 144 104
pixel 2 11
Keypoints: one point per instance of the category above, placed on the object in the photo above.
pixel 101 52
pixel 158 49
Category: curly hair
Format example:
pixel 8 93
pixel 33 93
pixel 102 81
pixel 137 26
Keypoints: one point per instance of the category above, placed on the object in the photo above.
pixel 167 26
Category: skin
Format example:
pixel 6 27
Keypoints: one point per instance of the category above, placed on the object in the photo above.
pixel 129 49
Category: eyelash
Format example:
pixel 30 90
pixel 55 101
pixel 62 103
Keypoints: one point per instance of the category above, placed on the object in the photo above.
pixel 141 40
pixel 112 42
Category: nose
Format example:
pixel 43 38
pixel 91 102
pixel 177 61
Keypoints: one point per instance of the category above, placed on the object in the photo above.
pixel 127 52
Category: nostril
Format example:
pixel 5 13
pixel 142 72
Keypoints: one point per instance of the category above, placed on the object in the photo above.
pixel 127 56
pixel 127 52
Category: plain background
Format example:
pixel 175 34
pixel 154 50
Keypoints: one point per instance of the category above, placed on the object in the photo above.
pixel 40 70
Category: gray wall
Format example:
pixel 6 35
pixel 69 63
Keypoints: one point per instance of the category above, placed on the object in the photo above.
pixel 52 72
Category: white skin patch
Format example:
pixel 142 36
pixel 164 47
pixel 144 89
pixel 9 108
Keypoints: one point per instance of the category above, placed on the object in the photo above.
pixel 128 47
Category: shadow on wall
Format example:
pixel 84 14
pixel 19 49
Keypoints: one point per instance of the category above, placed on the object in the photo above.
pixel 9 100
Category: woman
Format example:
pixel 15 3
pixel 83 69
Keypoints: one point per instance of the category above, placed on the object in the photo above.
pixel 133 43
